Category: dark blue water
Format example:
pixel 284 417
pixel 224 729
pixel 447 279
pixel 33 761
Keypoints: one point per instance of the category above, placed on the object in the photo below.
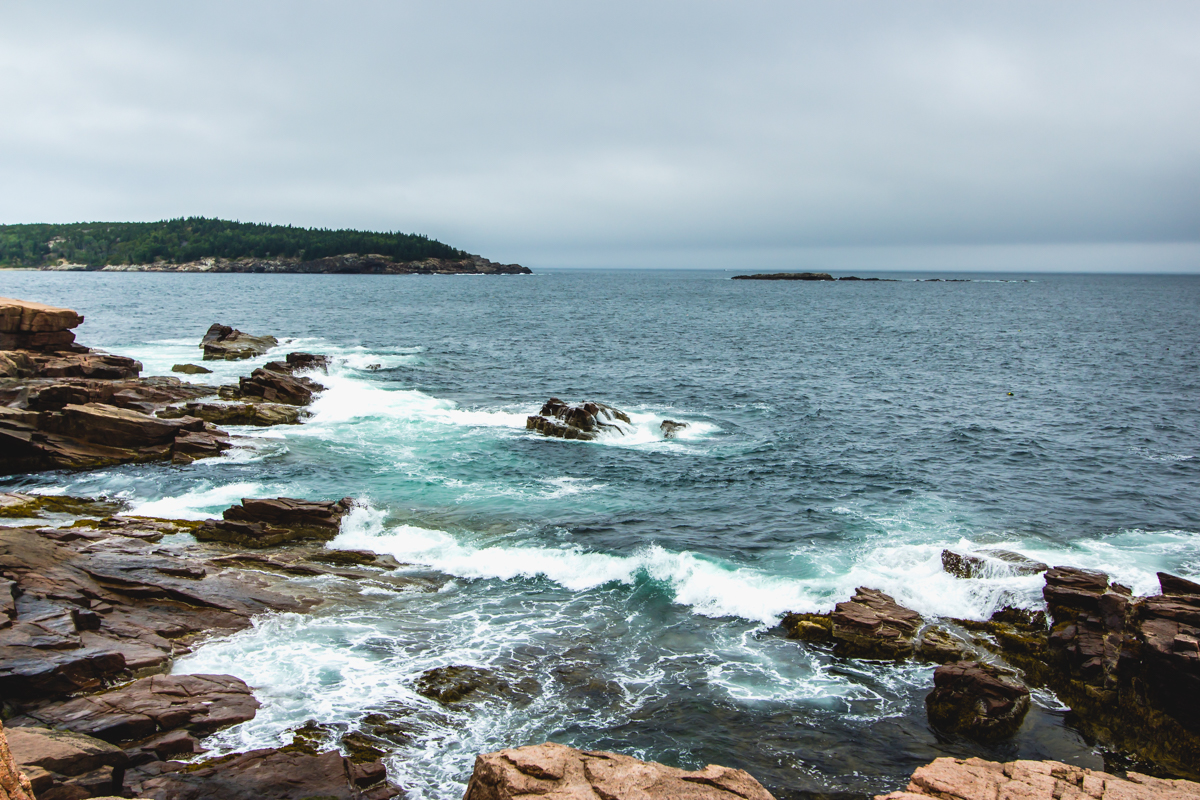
pixel 840 434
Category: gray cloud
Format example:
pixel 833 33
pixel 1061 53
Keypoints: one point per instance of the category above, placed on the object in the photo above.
pixel 620 133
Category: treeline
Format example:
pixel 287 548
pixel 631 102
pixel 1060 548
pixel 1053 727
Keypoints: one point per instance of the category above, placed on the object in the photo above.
pixel 181 240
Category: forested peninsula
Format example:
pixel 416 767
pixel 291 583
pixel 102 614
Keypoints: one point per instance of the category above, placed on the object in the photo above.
pixel 200 244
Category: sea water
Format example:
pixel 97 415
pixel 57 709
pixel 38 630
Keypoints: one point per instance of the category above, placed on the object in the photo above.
pixel 839 435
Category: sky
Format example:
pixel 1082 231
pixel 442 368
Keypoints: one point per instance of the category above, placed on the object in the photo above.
pixel 784 135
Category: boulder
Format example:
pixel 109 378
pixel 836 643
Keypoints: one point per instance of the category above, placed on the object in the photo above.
pixel 25 325
pixel 976 779
pixel 873 625
pixel 268 522
pixel 977 700
pixel 277 387
pixel 808 627
pixel 670 428
pixel 191 369
pixel 299 362
pixel 576 421
pixel 223 343
pixel 939 645
pixel 279 774
pixel 199 704
pixel 564 773
pixel 990 563
pixel 261 414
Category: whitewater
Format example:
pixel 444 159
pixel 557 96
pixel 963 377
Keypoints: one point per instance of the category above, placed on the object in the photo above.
pixel 839 435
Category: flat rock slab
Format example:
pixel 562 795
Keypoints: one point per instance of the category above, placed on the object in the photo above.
pixel 259 774
pixel 558 772
pixel 157 704
pixel 976 779
pixel 223 343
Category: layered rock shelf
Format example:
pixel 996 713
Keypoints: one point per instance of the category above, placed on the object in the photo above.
pixel 92 617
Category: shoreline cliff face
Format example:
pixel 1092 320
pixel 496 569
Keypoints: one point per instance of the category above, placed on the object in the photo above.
pixel 348 264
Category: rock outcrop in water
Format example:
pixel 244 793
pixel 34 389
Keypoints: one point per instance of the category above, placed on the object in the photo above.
pixel 576 421
pixel 224 343
pixel 990 562
pixel 268 522
pixel 564 773
pixel 976 779
pixel 786 276
pixel 670 428
pixel 872 625
pixel 977 700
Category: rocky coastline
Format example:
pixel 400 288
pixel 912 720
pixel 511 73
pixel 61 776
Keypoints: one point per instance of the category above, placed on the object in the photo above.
pixel 96 605
pixel 347 264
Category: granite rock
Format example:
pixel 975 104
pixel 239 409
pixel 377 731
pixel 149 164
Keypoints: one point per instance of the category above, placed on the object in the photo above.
pixel 558 772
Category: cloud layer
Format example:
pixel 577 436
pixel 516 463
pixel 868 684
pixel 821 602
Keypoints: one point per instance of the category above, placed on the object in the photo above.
pixel 622 133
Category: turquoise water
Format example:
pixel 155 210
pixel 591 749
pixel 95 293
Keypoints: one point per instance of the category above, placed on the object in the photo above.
pixel 839 435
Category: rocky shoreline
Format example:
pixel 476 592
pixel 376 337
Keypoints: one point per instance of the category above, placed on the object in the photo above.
pixel 348 264
pixel 96 605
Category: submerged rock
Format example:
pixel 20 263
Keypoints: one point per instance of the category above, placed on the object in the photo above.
pixel 453 684
pixel 576 421
pixel 191 369
pixel 558 771
pixel 268 522
pixel 988 563
pixel 976 779
pixel 977 700
pixel 670 427
pixel 223 343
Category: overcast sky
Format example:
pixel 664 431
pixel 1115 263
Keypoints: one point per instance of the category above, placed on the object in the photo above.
pixel 868 134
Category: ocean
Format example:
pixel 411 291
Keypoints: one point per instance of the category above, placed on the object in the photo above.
pixel 627 590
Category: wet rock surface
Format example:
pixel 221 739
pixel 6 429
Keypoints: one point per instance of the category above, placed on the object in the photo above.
pixel 454 684
pixel 576 420
pixel 199 704
pixel 557 771
pixel 90 608
pixel 873 625
pixel 269 522
pixel 976 779
pixel 989 563
pixel 261 414
pixel 93 614
pixel 977 700
pixel 224 343
pixel 670 428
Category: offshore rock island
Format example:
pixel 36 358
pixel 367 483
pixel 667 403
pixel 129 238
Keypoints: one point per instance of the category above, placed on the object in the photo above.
pixel 199 244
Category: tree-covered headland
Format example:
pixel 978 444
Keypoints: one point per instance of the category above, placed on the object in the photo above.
pixel 178 241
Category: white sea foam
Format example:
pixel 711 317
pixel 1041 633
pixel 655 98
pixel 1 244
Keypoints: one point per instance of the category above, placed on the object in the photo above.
pixel 200 503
